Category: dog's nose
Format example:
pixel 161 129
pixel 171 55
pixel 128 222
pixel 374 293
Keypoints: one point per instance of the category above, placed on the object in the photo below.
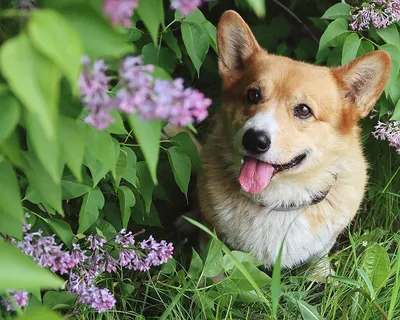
pixel 256 141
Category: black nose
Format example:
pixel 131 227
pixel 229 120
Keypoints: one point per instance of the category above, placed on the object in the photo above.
pixel 256 141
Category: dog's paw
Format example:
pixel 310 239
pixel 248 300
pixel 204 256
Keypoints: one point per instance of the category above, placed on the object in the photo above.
pixel 321 272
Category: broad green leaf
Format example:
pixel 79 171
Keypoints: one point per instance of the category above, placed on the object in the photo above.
pixel 159 56
pixel 34 79
pixel 56 38
pixel 395 55
pixel 52 299
pixel 349 281
pixel 181 167
pixel 10 225
pixel 98 38
pixel 183 140
pixel 172 43
pixel 335 29
pixel 10 111
pixel 152 14
pixel 376 265
pixel 120 169
pixel 212 32
pixel 130 169
pixel 308 312
pixel 196 16
pixel 62 229
pixel 395 90
pixel 197 42
pixel 18 271
pixel 214 260
pixel 241 257
pixel 146 184
pixel 117 127
pixel 72 144
pixel 390 35
pixel 396 112
pixel 365 47
pixel 148 135
pixel 339 10
pixel 46 148
pixel 11 148
pixel 350 48
pixel 10 203
pixel 258 6
pixel 126 202
pixel 107 229
pixel 40 314
pixel 92 202
pixel 196 266
pixel 259 277
pixel 41 181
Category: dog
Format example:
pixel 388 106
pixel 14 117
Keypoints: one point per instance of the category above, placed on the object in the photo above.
pixel 284 163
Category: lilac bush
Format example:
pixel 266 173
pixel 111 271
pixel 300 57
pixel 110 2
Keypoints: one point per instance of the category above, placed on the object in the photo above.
pixel 139 92
pixel 389 131
pixel 85 266
pixel 379 13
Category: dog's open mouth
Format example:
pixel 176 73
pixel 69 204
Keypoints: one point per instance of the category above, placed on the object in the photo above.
pixel 255 175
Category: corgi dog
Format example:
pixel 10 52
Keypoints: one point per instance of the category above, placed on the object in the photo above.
pixel 284 162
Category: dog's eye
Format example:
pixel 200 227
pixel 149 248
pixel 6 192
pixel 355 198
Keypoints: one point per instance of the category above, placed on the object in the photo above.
pixel 253 96
pixel 303 111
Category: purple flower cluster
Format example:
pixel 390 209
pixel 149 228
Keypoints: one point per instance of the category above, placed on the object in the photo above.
pixel 389 131
pixel 120 11
pixel 379 13
pixel 85 266
pixel 20 298
pixel 139 92
pixel 186 6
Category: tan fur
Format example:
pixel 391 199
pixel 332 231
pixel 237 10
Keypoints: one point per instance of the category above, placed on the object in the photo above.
pixel 338 98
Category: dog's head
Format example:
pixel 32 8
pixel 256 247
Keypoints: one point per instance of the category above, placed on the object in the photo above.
pixel 284 117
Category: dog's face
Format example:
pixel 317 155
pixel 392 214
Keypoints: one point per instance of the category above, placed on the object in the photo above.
pixel 285 117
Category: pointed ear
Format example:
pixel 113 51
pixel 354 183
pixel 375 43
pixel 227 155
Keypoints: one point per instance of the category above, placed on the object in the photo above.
pixel 363 80
pixel 236 43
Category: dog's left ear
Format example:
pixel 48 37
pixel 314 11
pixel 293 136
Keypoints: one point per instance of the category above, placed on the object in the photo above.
pixel 363 79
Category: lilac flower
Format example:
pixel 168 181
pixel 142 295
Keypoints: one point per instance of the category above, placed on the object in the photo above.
pixel 96 242
pixel 99 299
pixel 93 84
pixel 157 253
pixel 120 11
pixel 125 239
pixel 389 131
pixel 186 6
pixel 21 299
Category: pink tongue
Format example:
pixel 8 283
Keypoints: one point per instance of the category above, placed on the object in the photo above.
pixel 255 175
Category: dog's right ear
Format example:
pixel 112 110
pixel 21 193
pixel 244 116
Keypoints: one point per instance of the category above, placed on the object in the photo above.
pixel 236 43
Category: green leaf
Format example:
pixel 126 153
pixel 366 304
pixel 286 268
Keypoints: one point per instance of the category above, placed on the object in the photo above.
pixel 53 299
pixel 390 35
pixel 212 32
pixel 181 167
pixel 98 38
pixel 41 181
pixel 376 265
pixel 11 148
pixel 196 16
pixel 172 43
pixel 148 135
pixel 259 277
pixel 339 10
pixel 34 79
pixel 350 48
pixel 196 266
pixel 146 184
pixel 334 30
pixel 395 55
pixel 62 229
pixel 396 112
pixel 130 170
pixel 10 225
pixel 50 32
pixel 152 14
pixel 349 281
pixel 120 169
pixel 183 140
pixel 126 202
pixel 368 282
pixel 258 6
pixel 241 257
pixel 365 47
pixel 18 272
pixel 10 204
pixel 308 312
pixel 117 127
pixel 97 169
pixel 72 144
pixel 159 56
pixel 197 42
pixel 40 314
pixel 92 202
pixel 214 260
pixel 10 111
